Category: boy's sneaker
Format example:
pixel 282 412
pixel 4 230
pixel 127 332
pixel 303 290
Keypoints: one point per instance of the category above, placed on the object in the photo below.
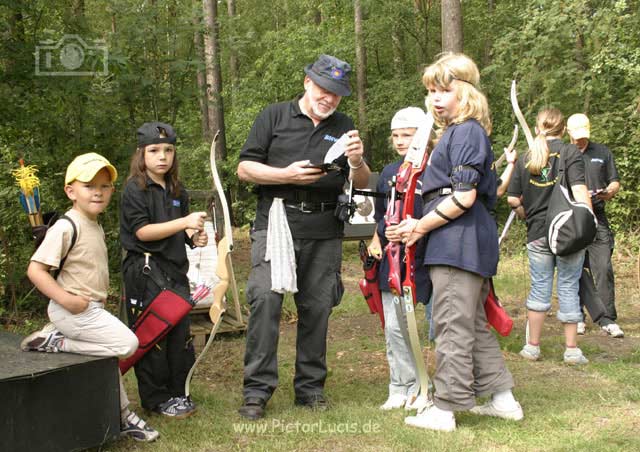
pixel 581 328
pixel 136 428
pixel 175 408
pixel 530 352
pixel 574 356
pixel 433 418
pixel 187 402
pixel 394 401
pixel 48 339
pixel 490 408
pixel 613 330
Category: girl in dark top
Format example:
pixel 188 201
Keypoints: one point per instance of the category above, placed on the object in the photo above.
pixel 155 224
pixel 529 193
pixel 459 190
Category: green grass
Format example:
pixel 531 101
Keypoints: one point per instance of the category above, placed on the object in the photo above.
pixel 591 408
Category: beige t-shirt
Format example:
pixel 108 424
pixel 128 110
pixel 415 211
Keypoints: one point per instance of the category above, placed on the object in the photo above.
pixel 86 270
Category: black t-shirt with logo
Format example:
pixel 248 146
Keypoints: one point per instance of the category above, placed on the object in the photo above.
pixel 281 135
pixel 150 205
pixel 600 170
pixel 536 190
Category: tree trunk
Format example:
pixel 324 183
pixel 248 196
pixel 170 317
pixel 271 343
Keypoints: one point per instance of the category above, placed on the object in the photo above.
pixel 214 78
pixel 16 40
pixel 234 65
pixel 201 78
pixel 422 10
pixel 488 42
pixel 397 42
pixel 451 26
pixel 361 77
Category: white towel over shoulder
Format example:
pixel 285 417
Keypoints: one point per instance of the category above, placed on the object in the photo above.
pixel 280 250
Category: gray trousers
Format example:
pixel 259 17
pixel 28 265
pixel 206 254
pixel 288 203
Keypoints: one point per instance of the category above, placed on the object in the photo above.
pixel 402 369
pixel 319 290
pixel 599 252
pixel 469 362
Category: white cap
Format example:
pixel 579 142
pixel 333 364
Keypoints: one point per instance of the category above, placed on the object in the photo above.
pixel 408 117
pixel 578 126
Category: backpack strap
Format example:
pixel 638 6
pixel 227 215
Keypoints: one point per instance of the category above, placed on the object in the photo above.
pixel 74 238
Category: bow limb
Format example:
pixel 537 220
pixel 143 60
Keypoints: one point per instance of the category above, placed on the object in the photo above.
pixel 224 268
pixel 512 143
pixel 520 116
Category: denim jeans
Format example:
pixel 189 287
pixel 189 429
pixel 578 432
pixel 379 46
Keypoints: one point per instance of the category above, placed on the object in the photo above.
pixel 402 369
pixel 542 264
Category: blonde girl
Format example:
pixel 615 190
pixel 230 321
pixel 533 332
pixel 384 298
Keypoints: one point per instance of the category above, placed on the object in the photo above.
pixel 529 193
pixel 459 190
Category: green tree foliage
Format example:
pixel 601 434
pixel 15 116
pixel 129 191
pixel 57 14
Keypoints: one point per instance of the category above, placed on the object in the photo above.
pixel 579 56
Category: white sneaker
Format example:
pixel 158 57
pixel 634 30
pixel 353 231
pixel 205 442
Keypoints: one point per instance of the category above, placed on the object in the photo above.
pixel 530 352
pixel 582 328
pixel 47 340
pixel 394 401
pixel 513 413
pixel 433 419
pixel 417 403
pixel 574 356
pixel 613 330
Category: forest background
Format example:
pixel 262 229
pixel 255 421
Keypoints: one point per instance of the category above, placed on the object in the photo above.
pixel 207 65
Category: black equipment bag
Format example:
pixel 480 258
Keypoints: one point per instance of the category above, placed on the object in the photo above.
pixel 571 225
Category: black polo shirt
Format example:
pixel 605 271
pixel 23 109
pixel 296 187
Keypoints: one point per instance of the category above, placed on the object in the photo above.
pixel 281 135
pixel 536 190
pixel 140 207
pixel 600 170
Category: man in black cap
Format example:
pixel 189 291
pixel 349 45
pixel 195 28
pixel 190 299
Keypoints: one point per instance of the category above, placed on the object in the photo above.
pixel 296 238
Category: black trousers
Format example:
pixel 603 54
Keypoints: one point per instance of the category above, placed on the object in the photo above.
pixel 597 284
pixel 163 370
pixel 319 290
pixel 599 253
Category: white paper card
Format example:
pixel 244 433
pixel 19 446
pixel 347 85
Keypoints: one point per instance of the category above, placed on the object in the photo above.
pixel 337 149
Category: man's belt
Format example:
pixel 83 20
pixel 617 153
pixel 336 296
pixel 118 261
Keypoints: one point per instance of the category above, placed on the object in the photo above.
pixel 310 207
pixel 295 196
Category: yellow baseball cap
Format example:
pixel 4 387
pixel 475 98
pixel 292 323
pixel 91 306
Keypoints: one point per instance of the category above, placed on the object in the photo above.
pixel 578 126
pixel 85 167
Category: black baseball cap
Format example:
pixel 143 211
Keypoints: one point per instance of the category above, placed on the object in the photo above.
pixel 331 74
pixel 156 132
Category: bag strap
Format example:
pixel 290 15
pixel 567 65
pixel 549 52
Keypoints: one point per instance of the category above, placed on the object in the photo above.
pixel 562 176
pixel 154 273
pixel 74 238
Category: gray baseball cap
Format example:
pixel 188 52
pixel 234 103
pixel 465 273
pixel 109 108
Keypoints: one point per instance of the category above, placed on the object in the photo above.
pixel 331 74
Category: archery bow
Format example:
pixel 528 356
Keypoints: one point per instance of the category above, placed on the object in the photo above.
pixel 520 116
pixel 224 268
pixel 404 186
pixel 527 134
pixel 514 138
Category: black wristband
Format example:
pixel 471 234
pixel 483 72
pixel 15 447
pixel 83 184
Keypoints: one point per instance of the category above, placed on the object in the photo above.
pixel 459 204
pixel 441 215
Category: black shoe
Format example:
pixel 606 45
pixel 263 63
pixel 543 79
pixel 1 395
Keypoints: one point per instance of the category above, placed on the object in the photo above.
pixel 253 408
pixel 315 402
